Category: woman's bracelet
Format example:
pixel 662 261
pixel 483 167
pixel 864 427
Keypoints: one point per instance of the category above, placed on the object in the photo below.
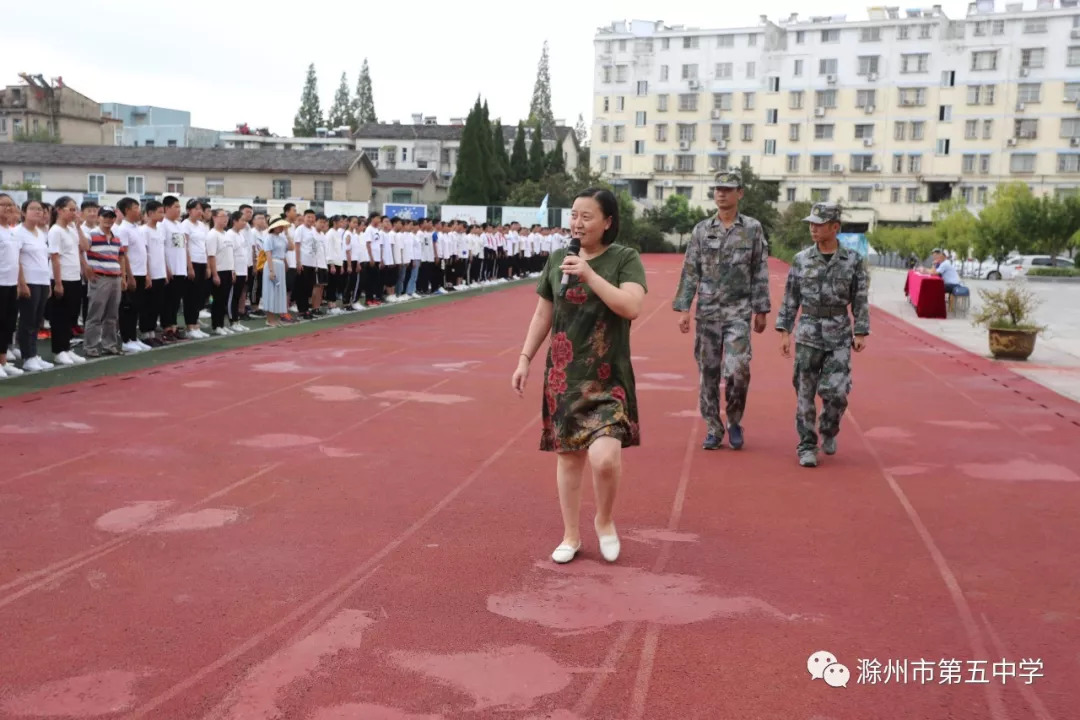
pixel 526 357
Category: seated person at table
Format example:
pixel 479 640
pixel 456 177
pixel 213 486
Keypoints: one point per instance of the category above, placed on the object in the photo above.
pixel 943 266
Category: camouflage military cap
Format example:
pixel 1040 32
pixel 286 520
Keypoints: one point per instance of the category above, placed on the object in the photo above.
pixel 823 213
pixel 728 179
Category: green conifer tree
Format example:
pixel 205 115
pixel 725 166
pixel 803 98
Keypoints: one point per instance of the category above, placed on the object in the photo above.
pixel 310 116
pixel 519 157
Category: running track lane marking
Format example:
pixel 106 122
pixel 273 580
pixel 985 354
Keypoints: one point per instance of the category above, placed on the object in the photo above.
pixel 967 618
pixel 652 633
pixel 337 593
pixel 351 582
pixel 74 562
pixel 58 569
pixel 188 422
pixel 1026 690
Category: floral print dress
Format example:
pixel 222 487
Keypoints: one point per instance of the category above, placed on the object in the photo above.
pixel 589 381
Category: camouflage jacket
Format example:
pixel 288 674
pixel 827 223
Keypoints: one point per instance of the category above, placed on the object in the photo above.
pixel 728 270
pixel 824 290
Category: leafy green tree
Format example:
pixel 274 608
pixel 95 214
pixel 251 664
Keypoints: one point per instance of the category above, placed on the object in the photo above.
pixel 487 150
pixel 791 233
pixel 536 155
pixel 309 117
pixel 999 230
pixel 1052 223
pixel 759 198
pixel 955 226
pixel 555 163
pixel 341 110
pixel 500 167
pixel 470 185
pixel 519 157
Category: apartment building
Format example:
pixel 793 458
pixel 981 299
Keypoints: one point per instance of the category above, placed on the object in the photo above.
pixel 887 115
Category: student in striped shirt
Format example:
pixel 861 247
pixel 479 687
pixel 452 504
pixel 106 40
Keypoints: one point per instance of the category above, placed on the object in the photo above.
pixel 104 283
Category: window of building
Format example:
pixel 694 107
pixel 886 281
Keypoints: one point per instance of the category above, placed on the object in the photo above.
pixel 1022 163
pixel 661 133
pixel 639 147
pixel 281 189
pixel 984 60
pixel 174 185
pixel 915 63
pixel 95 184
pixel 401 196
pixel 1029 92
pixel 136 184
pixel 793 163
pixel 215 187
pixel 859 194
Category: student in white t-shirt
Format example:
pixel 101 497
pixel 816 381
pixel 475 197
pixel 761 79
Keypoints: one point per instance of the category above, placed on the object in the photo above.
pixel 237 240
pixel 195 228
pixel 335 261
pixel 372 237
pixel 259 236
pixel 181 272
pixel 9 285
pixel 158 274
pixel 220 259
pixel 304 239
pixel 34 281
pixel 66 262
pixel 133 246
pixel 241 254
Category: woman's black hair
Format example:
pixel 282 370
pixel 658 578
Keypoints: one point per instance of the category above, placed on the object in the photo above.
pixel 609 206
pixel 26 205
pixel 238 215
pixel 60 204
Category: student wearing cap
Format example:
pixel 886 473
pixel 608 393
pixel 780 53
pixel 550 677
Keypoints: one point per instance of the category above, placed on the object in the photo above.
pixel 824 280
pixel 103 252
pixel 726 266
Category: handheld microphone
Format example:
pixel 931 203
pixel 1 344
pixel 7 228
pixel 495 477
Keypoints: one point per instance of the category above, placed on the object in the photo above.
pixel 572 249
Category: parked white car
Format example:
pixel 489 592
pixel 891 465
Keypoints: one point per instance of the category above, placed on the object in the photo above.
pixel 1018 265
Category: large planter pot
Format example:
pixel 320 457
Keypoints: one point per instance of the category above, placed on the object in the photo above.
pixel 1012 344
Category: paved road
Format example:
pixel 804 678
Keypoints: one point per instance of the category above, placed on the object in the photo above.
pixel 1056 361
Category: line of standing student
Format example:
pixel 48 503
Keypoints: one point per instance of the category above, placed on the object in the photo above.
pixel 143 276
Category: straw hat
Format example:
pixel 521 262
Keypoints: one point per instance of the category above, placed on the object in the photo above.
pixel 279 223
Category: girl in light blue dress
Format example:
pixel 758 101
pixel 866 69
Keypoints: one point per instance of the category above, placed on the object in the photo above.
pixel 277 243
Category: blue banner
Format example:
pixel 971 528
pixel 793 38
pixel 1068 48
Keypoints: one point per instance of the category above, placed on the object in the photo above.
pixel 408 212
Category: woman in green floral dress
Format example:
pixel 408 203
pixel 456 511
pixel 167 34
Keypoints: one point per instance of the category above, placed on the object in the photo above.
pixel 589 406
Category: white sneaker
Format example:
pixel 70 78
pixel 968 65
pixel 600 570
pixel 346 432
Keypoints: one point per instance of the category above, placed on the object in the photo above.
pixel 358 306
pixel 143 346
pixel 241 328
pixel 416 296
pixel 79 359
pixel 221 332
pixel 63 359
pixel 15 354
pixel 11 370
pixel 131 348
pixel 204 315
pixel 34 364
pixel 45 364
pixel 10 356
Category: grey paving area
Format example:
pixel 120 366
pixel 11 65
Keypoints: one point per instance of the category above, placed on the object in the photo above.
pixel 1056 360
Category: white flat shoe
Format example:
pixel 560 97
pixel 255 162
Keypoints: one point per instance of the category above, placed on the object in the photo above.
pixel 609 547
pixel 565 553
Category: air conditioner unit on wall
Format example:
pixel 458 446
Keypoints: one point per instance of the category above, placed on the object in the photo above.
pixel 684 144
pixel 1074 142
pixel 721 144
pixel 868 142
pixel 715 114
pixel 831 79
pixel 819 112
pixel 870 109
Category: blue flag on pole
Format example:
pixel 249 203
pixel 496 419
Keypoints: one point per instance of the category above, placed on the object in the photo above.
pixel 542 213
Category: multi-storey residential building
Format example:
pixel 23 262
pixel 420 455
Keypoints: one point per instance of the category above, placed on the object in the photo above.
pixel 887 115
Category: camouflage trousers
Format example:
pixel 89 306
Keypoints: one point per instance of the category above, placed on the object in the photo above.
pixel 824 373
pixel 722 349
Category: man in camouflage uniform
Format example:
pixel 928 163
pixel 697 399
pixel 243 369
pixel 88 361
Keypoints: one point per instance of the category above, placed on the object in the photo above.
pixel 726 266
pixel 824 280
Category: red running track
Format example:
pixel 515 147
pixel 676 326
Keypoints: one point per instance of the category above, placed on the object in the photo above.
pixel 357 524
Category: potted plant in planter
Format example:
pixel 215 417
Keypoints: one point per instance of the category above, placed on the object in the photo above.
pixel 1008 315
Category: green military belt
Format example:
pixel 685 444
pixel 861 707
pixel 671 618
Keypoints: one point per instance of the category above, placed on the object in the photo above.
pixel 825 311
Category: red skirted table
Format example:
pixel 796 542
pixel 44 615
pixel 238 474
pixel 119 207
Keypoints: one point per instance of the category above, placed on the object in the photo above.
pixel 926 293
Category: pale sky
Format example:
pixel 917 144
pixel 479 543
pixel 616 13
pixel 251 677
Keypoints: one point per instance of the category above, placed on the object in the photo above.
pixel 228 62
